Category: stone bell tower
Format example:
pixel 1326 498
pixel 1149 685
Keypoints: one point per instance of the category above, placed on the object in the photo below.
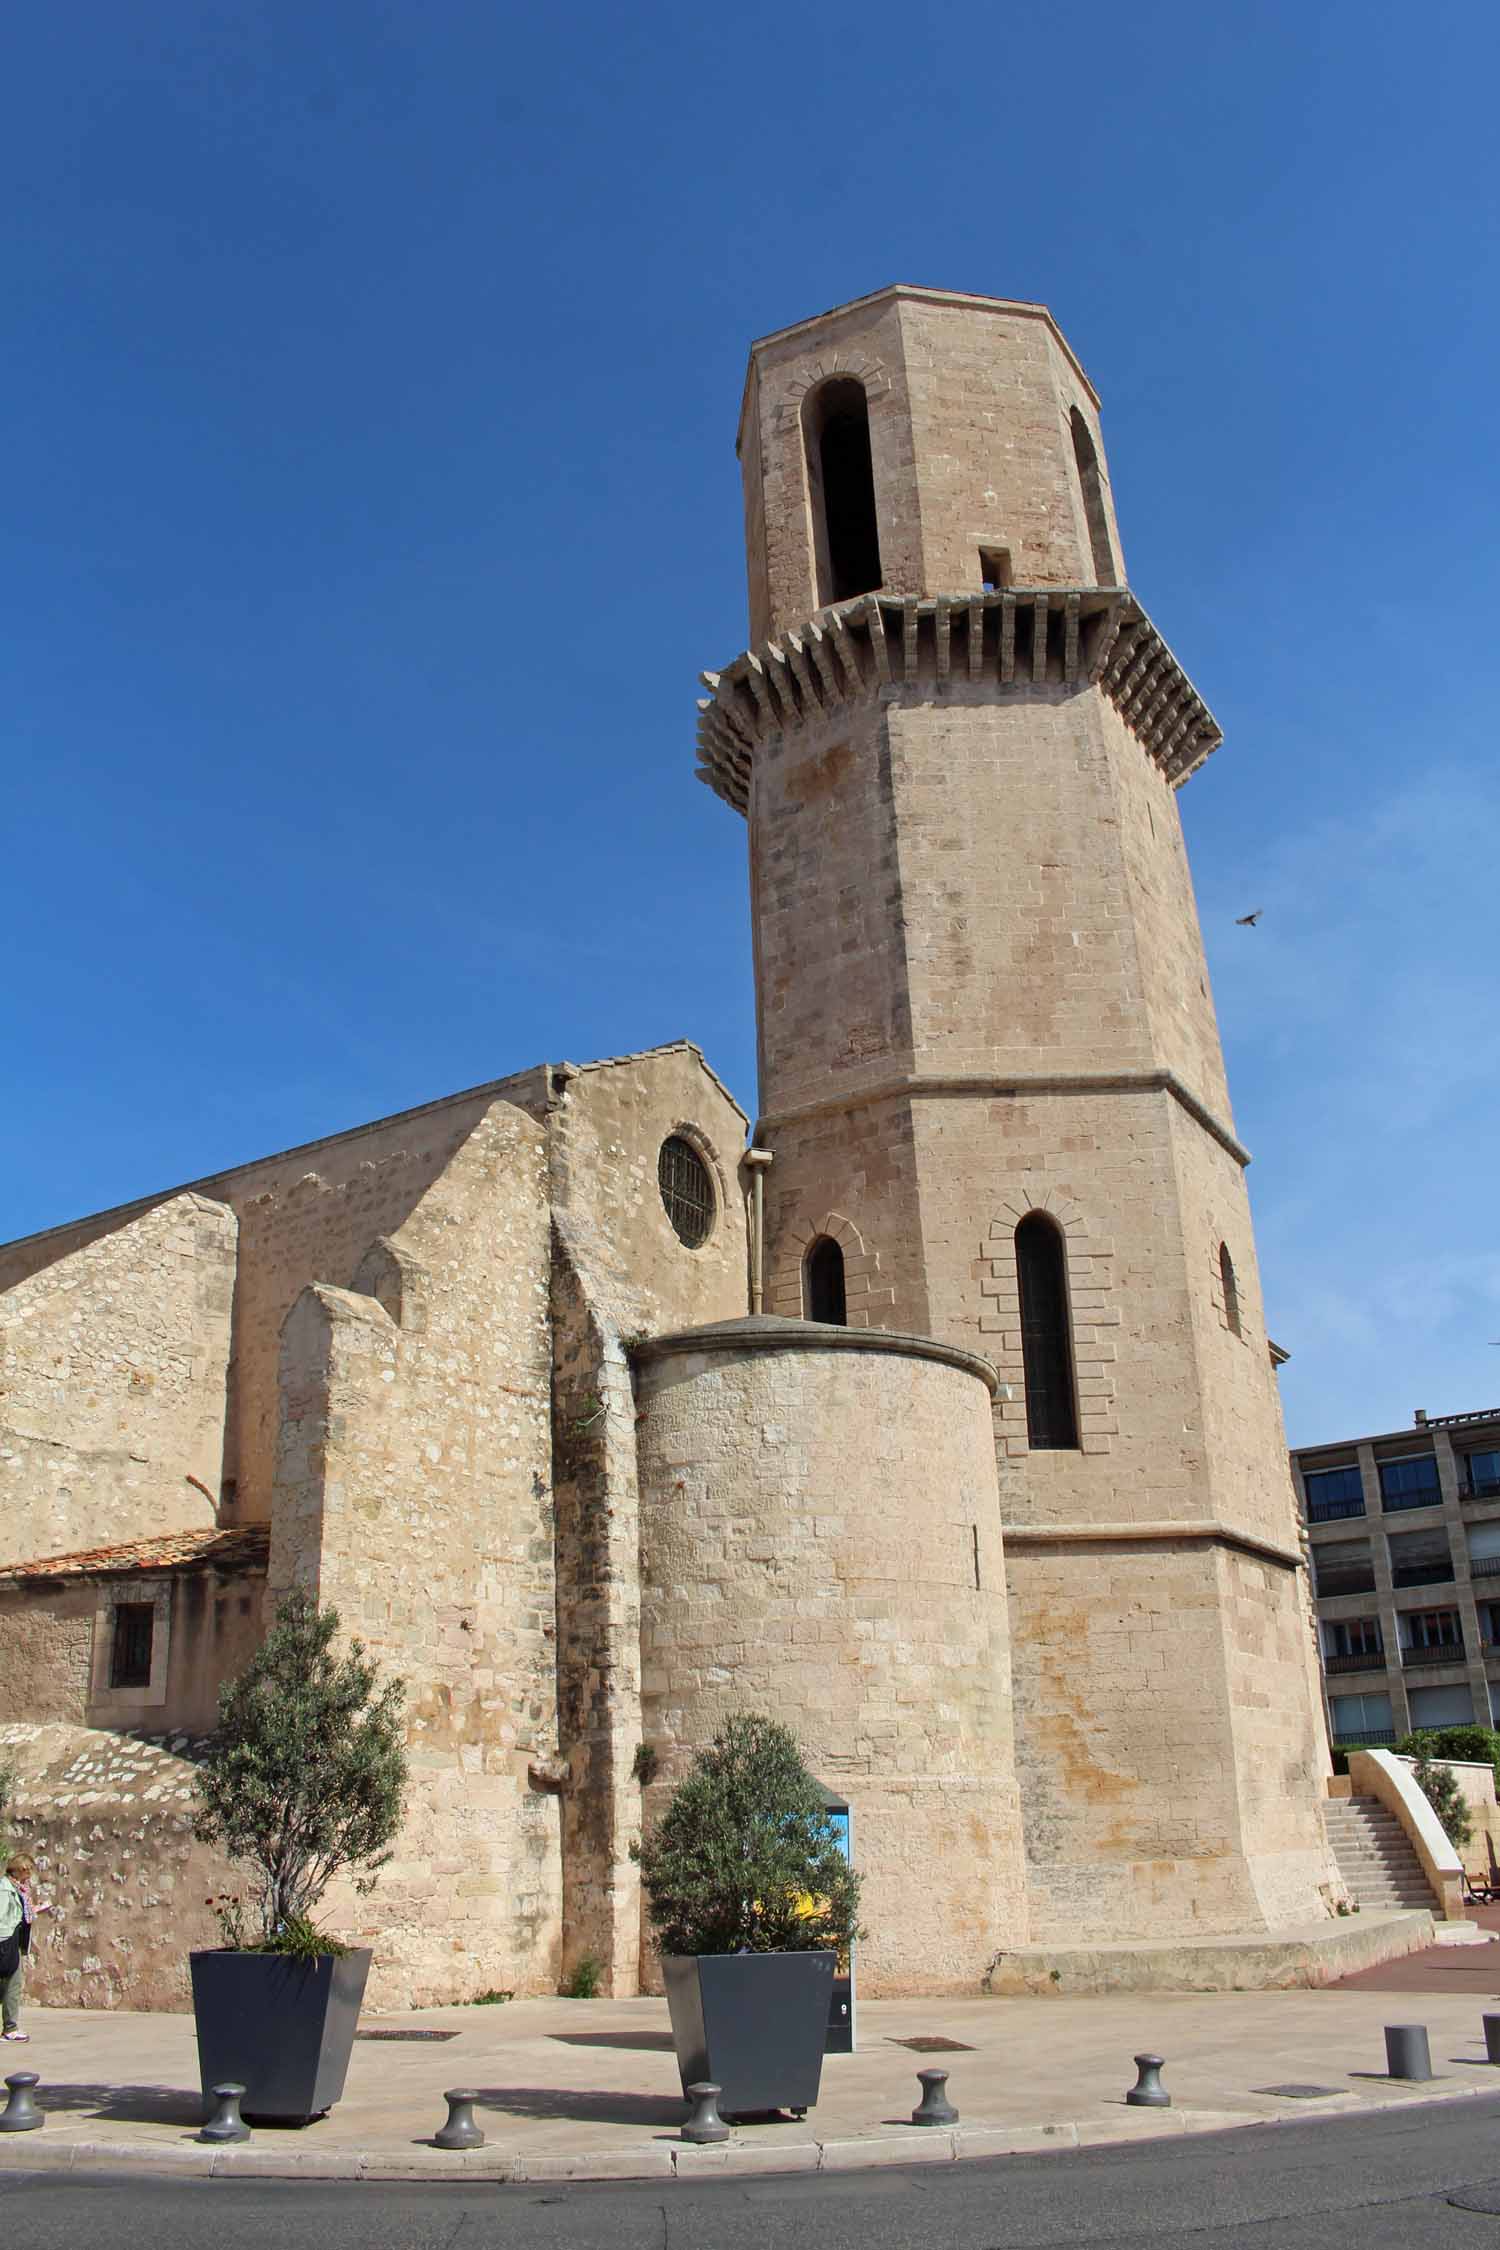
pixel 991 1081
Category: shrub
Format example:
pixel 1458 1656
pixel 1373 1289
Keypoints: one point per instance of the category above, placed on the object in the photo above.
pixel 585 1981
pixel 746 1859
pixel 1481 1745
pixel 306 1776
pixel 1442 1792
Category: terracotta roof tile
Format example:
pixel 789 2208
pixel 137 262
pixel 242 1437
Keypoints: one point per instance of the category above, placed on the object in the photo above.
pixel 179 1550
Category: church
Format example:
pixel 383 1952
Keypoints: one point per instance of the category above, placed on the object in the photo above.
pixel 932 1411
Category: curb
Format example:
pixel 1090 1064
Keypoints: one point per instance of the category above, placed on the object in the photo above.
pixel 664 2159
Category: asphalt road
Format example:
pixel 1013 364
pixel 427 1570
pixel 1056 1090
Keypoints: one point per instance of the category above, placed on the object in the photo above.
pixel 1398 2182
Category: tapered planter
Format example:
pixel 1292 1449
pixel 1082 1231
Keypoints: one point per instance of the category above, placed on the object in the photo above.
pixel 753 2023
pixel 281 2028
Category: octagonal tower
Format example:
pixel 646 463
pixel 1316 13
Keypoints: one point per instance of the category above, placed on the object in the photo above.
pixel 991 1079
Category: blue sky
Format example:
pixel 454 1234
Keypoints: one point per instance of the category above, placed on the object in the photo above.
pixel 370 506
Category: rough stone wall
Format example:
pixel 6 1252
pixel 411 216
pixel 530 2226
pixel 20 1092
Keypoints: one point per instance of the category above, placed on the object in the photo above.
pixel 619 1271
pixel 47 1652
pixel 1123 1738
pixel 108 1819
pixel 1280 1748
pixel 820 1541
pixel 308 1214
pixel 113 1365
pixel 413 1492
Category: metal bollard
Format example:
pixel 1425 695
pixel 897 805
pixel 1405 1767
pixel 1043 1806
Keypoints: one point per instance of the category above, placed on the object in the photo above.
pixel 1148 2092
pixel 703 2122
pixel 1406 2051
pixel 1492 2039
pixel 460 2130
pixel 20 2114
pixel 934 2108
pixel 224 2123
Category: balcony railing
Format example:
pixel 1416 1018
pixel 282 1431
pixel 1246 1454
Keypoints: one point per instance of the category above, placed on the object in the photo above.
pixel 1434 1573
pixel 1484 1566
pixel 1366 1660
pixel 1481 1488
pixel 1391 1502
pixel 1375 1739
pixel 1359 1578
pixel 1447 1652
pixel 1333 1511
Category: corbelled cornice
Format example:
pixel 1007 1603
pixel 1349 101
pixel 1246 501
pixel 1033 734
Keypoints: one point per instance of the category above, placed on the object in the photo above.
pixel 1025 637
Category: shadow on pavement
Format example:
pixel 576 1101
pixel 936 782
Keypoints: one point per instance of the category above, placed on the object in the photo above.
pixel 660 2042
pixel 584 2108
pixel 125 2105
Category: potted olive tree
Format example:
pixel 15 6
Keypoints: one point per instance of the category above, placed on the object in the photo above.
pixel 304 1779
pixel 752 1901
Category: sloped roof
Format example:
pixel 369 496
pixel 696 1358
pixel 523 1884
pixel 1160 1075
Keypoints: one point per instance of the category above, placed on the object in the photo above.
pixel 246 1549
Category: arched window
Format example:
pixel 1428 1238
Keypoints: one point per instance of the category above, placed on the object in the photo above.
pixel 1046 1343
pixel 841 480
pixel 1230 1288
pixel 1095 513
pixel 823 1281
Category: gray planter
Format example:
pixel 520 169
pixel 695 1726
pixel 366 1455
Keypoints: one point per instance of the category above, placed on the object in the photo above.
pixel 753 2023
pixel 282 2029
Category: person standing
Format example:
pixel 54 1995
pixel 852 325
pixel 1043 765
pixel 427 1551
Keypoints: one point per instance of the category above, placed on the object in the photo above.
pixel 17 1915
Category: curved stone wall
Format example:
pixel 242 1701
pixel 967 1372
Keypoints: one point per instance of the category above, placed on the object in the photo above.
pixel 820 1541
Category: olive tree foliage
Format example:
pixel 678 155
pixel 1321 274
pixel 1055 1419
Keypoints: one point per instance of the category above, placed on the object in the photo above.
pixel 746 1859
pixel 306 1776
pixel 1442 1792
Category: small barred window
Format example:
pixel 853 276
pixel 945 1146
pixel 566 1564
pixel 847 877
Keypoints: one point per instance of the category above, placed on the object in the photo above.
pixel 687 1190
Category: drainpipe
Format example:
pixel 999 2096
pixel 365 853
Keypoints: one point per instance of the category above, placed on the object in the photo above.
pixel 757 1159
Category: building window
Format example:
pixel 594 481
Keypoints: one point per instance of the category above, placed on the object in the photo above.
pixel 1431 1629
pixel 823 1282
pixel 687 1190
pixel 1361 1719
pixel 1230 1288
pixel 1422 1558
pixel 1342 1566
pixel 1095 513
pixel 1489 1623
pixel 1410 1483
pixel 1440 1706
pixel 994 568
pixel 1482 1475
pixel 1046 1345
pixel 1332 1493
pixel 1352 1636
pixel 841 481
pixel 130 1645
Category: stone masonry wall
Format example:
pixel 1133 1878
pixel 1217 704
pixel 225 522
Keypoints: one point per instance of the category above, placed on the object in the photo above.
pixel 619 1271
pixel 307 1214
pixel 113 1365
pixel 108 1820
pixel 971 447
pixel 413 1492
pixel 820 1542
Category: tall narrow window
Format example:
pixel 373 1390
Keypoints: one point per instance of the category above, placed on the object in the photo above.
pixel 841 479
pixel 1231 1289
pixel 1095 513
pixel 1046 1347
pixel 824 1283
pixel 130 1649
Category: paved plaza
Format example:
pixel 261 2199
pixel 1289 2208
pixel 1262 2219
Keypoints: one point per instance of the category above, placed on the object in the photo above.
pixel 573 2089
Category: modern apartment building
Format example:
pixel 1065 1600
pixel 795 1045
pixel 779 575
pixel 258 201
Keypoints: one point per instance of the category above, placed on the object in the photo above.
pixel 1404 1532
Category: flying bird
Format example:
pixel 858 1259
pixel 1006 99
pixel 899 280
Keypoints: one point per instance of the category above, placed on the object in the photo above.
pixel 1248 921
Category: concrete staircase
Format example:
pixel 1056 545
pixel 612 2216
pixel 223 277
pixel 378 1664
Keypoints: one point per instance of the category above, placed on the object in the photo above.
pixel 1375 1856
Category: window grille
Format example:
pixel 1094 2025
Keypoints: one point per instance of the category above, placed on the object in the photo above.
pixel 130 1650
pixel 687 1191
